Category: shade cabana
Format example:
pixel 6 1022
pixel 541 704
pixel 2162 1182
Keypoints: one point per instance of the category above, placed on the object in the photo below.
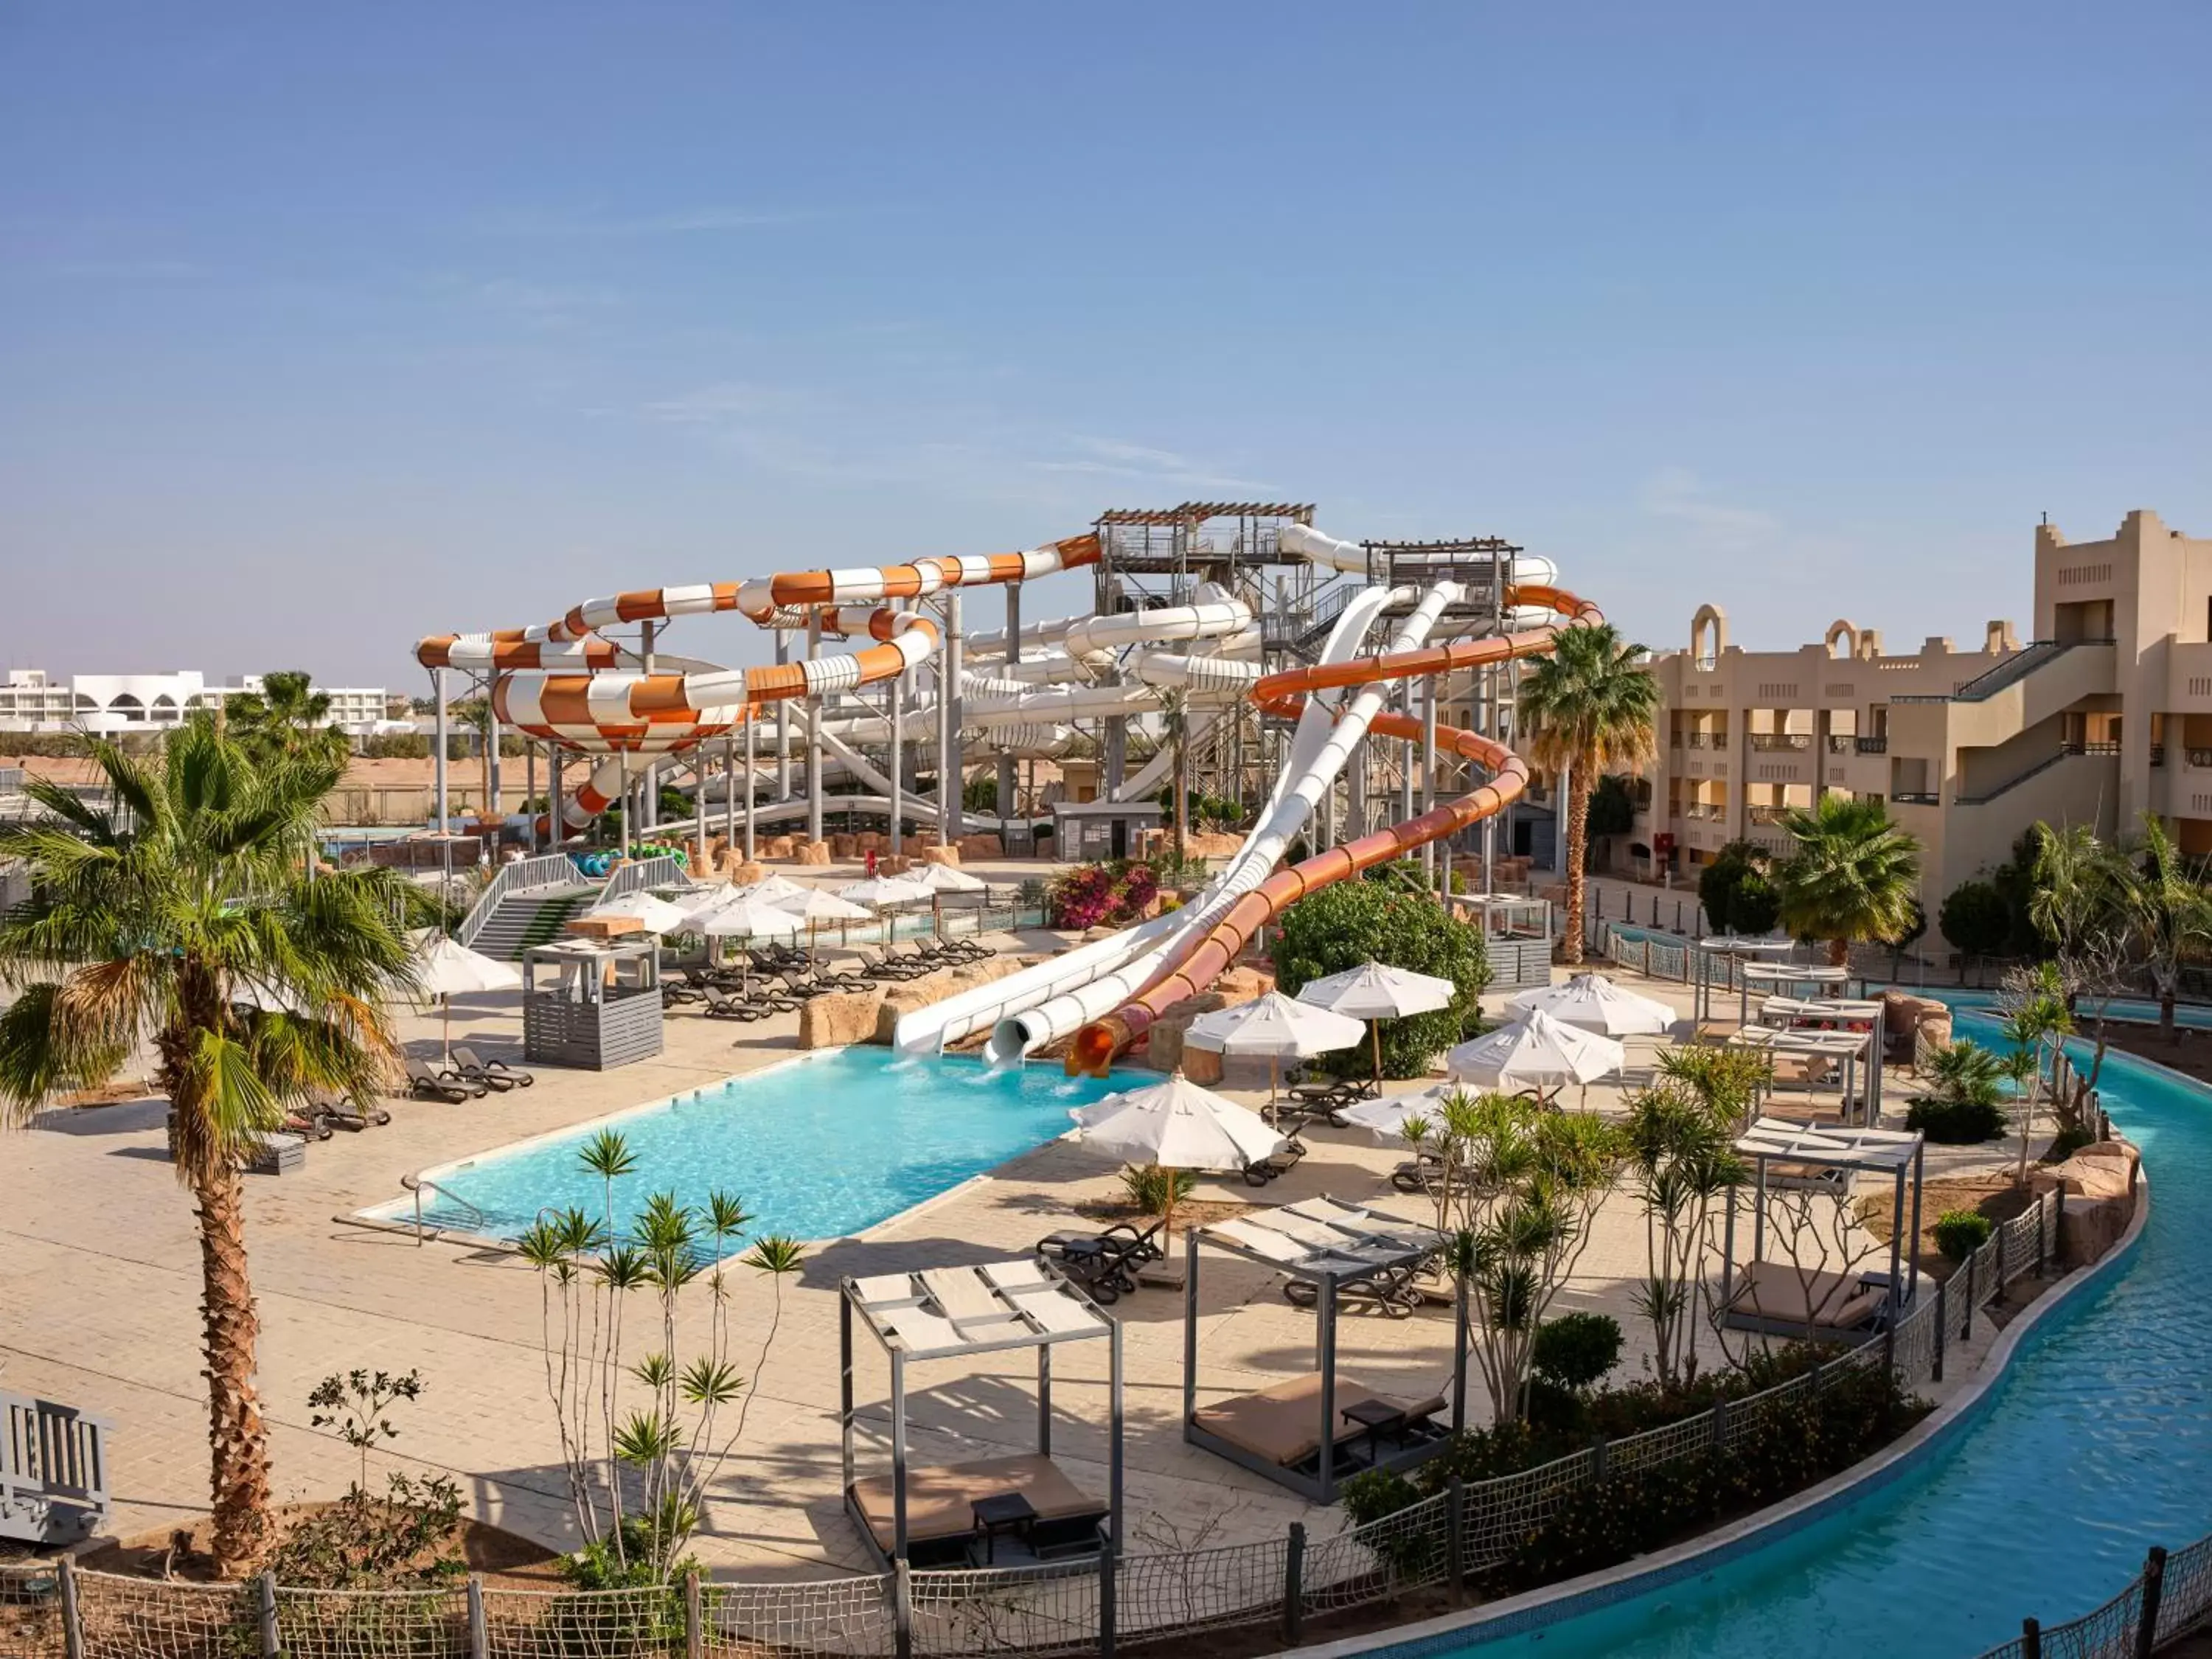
pixel 1732 954
pixel 1781 1299
pixel 1310 1431
pixel 1791 979
pixel 1851 1054
pixel 960 1313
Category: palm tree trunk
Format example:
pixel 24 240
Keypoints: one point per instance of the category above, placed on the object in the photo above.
pixel 1578 790
pixel 1839 953
pixel 237 1438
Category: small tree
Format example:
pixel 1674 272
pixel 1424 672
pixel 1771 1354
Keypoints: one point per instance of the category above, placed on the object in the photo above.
pixel 2169 913
pixel 1517 1189
pixel 1681 1158
pixel 1903 940
pixel 1974 920
pixel 1612 812
pixel 2035 1026
pixel 1719 882
pixel 2079 904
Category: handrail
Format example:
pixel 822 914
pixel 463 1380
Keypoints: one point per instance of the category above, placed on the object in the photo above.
pixel 2065 751
pixel 417 1184
pixel 543 871
pixel 662 871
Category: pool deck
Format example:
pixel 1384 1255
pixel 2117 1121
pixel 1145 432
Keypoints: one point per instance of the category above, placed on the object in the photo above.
pixel 98 1309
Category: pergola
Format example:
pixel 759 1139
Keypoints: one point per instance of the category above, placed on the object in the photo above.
pixel 1709 950
pixel 1850 1051
pixel 1812 980
pixel 1290 1432
pixel 1790 1153
pixel 964 1313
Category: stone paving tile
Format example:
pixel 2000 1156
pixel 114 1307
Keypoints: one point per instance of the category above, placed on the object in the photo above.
pixel 100 1310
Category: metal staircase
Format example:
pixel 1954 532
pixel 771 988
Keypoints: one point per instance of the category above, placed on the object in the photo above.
pixel 519 921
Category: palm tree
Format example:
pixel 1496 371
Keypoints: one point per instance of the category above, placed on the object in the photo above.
pixel 1590 705
pixel 2169 913
pixel 287 716
pixel 160 919
pixel 1853 876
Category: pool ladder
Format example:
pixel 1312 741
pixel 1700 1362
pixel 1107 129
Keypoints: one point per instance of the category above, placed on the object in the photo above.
pixel 417 1185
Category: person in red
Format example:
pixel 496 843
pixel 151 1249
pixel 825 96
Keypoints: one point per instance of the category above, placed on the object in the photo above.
pixel 872 864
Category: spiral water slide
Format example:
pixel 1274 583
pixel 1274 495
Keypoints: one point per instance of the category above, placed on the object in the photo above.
pixel 1107 994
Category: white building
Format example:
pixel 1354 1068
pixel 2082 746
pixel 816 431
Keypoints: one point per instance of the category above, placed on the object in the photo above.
pixel 31 702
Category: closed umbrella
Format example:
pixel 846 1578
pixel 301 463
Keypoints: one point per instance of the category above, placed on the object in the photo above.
pixel 1276 1026
pixel 1176 1125
pixel 1535 1052
pixel 1595 1003
pixel 1378 992
pixel 448 969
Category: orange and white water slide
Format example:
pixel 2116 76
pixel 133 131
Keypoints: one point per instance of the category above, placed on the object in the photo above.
pixel 566 683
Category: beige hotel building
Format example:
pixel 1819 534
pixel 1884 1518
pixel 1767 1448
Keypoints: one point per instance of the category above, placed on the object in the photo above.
pixel 2103 715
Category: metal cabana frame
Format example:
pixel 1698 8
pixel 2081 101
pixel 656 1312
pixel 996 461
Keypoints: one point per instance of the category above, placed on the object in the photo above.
pixel 1896 1153
pixel 1365 1243
pixel 1782 1030
pixel 964 1313
pixel 1709 950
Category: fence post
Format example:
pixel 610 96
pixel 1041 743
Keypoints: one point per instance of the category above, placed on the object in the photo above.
pixel 695 1633
pixel 479 1628
pixel 2153 1591
pixel 1967 1320
pixel 1941 1320
pixel 2031 1640
pixel 72 1621
pixel 1455 1538
pixel 264 1598
pixel 1294 1583
pixel 2057 1224
pixel 902 1608
pixel 1719 1415
pixel 1107 1557
pixel 1597 1459
pixel 2042 1208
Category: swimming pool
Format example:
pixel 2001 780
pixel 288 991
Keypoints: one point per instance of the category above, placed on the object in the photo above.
pixel 2096 1444
pixel 818 1148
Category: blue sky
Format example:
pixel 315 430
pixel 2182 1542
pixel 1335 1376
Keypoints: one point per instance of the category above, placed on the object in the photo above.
pixel 323 327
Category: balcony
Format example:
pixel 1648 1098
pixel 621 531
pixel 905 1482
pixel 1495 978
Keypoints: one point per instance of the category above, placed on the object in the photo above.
pixel 1704 812
pixel 1839 743
pixel 1698 740
pixel 1916 798
pixel 2197 760
pixel 1871 746
pixel 1777 740
pixel 2157 755
pixel 1764 814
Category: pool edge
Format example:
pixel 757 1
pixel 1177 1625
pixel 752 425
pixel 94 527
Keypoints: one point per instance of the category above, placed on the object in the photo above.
pixel 1555 1603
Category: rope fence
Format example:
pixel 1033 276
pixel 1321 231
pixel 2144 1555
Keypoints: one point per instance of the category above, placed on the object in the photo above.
pixel 58 1611
pixel 2169 1598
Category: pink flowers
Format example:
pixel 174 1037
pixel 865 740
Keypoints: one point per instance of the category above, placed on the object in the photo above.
pixel 1101 896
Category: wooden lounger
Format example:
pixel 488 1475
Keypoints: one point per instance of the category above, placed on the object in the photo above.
pixel 1282 1424
pixel 1775 1297
pixel 941 1500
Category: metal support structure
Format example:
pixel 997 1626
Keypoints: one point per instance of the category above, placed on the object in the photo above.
pixel 529 794
pixel 813 735
pixel 783 722
pixel 752 745
pixel 1429 859
pixel 556 825
pixel 730 788
pixel 493 783
pixel 1006 756
pixel 438 750
pixel 896 695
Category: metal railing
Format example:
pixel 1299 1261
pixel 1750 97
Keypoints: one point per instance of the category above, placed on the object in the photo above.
pixel 1771 741
pixel 1916 798
pixel 1839 743
pixel 1083 1605
pixel 664 871
pixel 546 870
pixel 1876 746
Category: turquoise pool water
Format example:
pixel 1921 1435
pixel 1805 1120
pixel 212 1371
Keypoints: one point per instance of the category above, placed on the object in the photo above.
pixel 819 1148
pixel 2096 1444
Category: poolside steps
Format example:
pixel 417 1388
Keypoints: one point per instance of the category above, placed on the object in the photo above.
pixel 532 917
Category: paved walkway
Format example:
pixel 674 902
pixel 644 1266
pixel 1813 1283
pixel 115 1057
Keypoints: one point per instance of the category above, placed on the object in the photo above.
pixel 98 1309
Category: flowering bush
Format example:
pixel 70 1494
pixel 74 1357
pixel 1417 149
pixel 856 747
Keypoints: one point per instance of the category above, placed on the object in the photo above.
pixel 1107 895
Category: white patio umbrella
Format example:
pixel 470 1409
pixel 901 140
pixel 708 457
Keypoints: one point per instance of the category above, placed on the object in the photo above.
pixel 1595 1003
pixel 746 918
pixel 1379 992
pixel 944 878
pixel 815 905
pixel 448 969
pixel 1177 1126
pixel 1387 1116
pixel 775 889
pixel 1535 1052
pixel 883 892
pixel 1276 1026
pixel 657 914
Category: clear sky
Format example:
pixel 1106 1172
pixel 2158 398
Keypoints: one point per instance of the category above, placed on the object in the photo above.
pixel 325 326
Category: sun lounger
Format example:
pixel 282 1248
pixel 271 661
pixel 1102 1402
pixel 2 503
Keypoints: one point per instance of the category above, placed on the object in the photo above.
pixel 1281 1423
pixel 940 1501
pixel 1261 1241
pixel 1781 1300
pixel 1105 1263
pixel 423 1084
pixel 960 1295
pixel 1261 1170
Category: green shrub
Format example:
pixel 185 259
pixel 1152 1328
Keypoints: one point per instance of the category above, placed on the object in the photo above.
pixel 2069 1141
pixel 1955 1122
pixel 1348 924
pixel 1148 1186
pixel 1575 1349
pixel 1372 1494
pixel 1960 1233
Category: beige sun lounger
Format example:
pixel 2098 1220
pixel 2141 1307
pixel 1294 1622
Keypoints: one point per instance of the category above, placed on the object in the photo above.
pixel 960 1295
pixel 886 1288
pixel 921 1332
pixel 1777 1296
pixel 1282 1422
pixel 1056 1313
pixel 1016 1275
pixel 1261 1241
pixel 940 1501
pixel 1317 1234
